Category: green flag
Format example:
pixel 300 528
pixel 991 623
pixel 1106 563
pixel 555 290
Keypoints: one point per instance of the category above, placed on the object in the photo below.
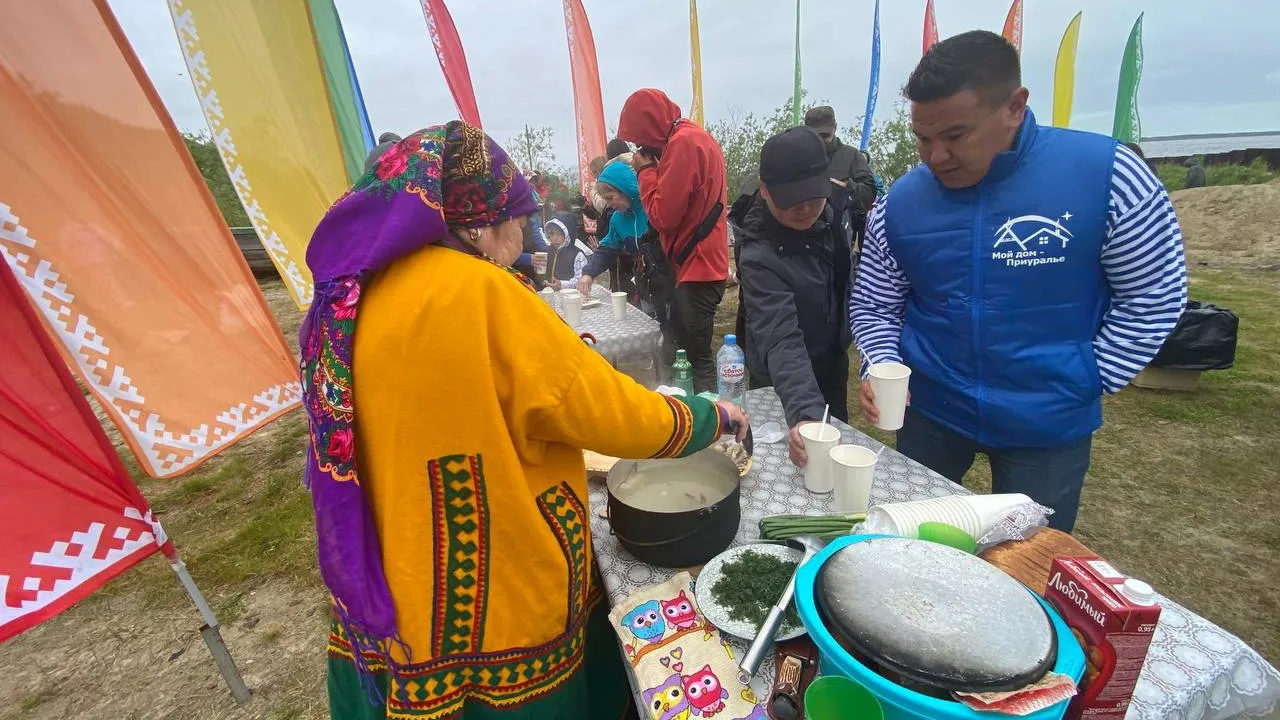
pixel 795 97
pixel 1128 126
pixel 344 92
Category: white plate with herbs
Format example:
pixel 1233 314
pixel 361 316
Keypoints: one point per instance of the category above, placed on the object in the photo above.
pixel 724 608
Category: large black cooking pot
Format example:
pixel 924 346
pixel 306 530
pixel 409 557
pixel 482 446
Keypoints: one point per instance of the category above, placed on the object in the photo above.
pixel 675 513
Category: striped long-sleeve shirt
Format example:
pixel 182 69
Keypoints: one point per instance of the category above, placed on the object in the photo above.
pixel 1142 260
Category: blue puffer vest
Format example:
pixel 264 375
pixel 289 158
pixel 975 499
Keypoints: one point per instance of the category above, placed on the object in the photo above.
pixel 1007 290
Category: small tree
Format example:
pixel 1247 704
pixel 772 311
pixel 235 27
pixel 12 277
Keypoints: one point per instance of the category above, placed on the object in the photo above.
pixel 205 152
pixel 893 145
pixel 532 147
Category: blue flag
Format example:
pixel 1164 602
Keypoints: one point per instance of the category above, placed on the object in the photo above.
pixel 874 87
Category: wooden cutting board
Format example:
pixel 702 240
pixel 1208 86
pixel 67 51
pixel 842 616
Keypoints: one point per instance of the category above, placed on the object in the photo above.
pixel 1028 561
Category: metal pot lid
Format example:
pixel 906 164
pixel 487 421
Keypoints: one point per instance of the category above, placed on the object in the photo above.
pixel 935 615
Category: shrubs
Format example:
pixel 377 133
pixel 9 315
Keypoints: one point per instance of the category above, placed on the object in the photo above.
pixel 1174 175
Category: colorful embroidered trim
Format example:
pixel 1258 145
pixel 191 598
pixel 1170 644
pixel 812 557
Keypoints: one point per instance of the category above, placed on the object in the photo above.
pixel 461 524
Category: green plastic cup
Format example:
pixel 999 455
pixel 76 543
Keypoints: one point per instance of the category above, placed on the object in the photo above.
pixel 949 535
pixel 838 698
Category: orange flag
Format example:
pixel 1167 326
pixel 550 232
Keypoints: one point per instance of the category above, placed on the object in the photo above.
pixel 587 103
pixel 930 27
pixel 111 232
pixel 1013 25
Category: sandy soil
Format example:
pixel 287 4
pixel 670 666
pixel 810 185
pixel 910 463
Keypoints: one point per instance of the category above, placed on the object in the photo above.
pixel 1232 226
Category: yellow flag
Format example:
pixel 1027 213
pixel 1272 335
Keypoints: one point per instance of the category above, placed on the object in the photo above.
pixel 1064 74
pixel 695 58
pixel 257 72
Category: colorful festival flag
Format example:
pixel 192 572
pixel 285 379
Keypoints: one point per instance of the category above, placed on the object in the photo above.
pixel 798 92
pixel 108 226
pixel 453 59
pixel 261 83
pixel 1128 126
pixel 873 85
pixel 1013 25
pixel 930 27
pixel 695 61
pixel 1064 73
pixel 587 103
pixel 70 517
pixel 344 90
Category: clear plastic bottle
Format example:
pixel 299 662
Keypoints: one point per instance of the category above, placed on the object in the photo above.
pixel 731 372
pixel 682 373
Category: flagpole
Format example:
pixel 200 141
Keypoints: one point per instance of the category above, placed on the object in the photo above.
pixel 211 631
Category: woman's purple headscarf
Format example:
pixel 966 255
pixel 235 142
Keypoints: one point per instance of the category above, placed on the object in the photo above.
pixel 447 176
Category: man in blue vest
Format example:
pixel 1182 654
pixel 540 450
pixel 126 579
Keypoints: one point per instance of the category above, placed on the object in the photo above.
pixel 1021 272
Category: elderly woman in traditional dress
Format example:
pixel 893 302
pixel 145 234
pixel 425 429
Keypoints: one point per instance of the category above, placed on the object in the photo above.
pixel 448 410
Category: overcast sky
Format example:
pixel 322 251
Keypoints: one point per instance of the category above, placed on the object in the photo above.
pixel 1210 65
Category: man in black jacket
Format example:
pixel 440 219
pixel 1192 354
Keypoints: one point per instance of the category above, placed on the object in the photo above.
pixel 794 270
pixel 855 189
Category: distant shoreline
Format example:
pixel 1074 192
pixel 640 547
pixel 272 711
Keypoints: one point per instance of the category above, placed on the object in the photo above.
pixel 1210 136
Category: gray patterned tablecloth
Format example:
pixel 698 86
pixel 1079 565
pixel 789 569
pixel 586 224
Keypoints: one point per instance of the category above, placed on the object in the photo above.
pixel 1195 670
pixel 635 335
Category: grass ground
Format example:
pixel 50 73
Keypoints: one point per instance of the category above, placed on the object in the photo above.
pixel 1182 492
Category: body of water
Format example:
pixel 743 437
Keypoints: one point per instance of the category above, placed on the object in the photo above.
pixel 1183 145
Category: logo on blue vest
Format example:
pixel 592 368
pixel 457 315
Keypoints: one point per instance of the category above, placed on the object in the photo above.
pixel 1030 240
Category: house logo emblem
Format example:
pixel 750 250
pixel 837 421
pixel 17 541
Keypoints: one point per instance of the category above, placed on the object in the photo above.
pixel 1030 240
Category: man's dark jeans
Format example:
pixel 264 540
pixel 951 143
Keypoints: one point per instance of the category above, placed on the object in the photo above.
pixel 1052 477
pixel 692 323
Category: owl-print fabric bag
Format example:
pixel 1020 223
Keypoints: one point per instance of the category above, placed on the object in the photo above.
pixel 685 669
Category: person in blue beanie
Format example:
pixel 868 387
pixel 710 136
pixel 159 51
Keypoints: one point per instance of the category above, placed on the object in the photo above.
pixel 1021 271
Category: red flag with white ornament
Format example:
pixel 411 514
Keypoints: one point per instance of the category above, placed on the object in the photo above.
pixel 71 518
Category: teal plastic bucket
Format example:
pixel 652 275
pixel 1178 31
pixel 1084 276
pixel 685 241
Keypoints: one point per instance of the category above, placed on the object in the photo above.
pixel 897 702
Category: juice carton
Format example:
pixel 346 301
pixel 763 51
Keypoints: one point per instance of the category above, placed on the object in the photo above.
pixel 1113 619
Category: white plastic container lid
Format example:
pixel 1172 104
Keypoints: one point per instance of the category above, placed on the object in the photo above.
pixel 1138 592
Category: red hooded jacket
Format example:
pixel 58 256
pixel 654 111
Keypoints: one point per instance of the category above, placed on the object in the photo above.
pixel 685 184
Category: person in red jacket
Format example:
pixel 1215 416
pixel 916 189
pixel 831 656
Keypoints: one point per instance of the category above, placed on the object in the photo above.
pixel 682 187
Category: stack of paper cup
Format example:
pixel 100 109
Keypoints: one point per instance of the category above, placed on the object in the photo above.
pixel 819 439
pixel 548 296
pixel 571 307
pixel 619 306
pixel 889 381
pixel 974 514
pixel 852 468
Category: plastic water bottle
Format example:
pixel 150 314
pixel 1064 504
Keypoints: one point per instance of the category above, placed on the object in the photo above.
pixel 731 372
pixel 682 373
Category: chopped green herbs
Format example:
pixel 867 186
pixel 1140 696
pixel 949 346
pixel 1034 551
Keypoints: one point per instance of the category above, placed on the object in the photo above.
pixel 750 585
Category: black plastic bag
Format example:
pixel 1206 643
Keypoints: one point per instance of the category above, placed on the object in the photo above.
pixel 1204 339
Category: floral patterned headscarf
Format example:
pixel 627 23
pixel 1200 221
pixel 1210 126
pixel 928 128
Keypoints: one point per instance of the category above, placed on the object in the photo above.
pixel 447 176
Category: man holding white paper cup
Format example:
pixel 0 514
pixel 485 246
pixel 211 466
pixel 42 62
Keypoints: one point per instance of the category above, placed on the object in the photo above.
pixel 1012 279
pixel 794 267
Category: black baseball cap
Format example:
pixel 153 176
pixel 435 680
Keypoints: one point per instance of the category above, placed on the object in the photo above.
pixel 821 118
pixel 793 166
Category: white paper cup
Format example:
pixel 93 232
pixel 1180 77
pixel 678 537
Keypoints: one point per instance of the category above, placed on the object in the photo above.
pixel 572 309
pixel 991 509
pixel 548 296
pixel 953 510
pixel 819 439
pixel 540 263
pixel 619 306
pixel 889 381
pixel 852 468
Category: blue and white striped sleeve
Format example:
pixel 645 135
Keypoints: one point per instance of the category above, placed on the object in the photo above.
pixel 879 296
pixel 1144 264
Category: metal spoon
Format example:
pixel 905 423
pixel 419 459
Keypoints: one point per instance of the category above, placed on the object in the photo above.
pixel 764 636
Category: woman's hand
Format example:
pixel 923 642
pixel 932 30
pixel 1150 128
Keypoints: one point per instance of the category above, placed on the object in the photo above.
pixel 584 285
pixel 641 160
pixel 736 420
